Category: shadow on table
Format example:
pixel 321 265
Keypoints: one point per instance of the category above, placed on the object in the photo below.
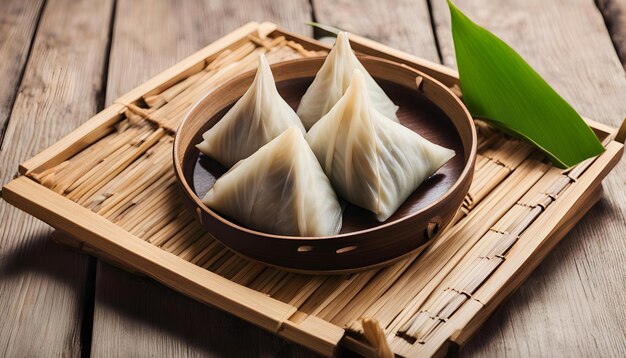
pixel 137 316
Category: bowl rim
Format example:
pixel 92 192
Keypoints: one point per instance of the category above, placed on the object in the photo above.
pixel 180 175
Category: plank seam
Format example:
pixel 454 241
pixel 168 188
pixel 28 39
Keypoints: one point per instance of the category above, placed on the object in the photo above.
pixel 4 126
pixel 89 297
pixel 431 17
pixel 612 27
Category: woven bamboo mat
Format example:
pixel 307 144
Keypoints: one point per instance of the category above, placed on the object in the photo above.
pixel 126 176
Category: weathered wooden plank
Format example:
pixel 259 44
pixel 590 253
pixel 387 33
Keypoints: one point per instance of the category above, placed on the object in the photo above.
pixel 18 23
pixel 403 24
pixel 41 285
pixel 136 316
pixel 614 13
pixel 571 305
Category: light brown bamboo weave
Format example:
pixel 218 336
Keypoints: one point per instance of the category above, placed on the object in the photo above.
pixel 127 177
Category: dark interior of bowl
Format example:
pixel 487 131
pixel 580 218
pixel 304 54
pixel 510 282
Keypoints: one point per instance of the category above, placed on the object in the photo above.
pixel 416 112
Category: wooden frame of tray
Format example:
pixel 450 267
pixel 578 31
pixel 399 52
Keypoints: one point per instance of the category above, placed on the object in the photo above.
pixel 517 210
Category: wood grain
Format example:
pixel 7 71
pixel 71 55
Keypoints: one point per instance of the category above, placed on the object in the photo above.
pixel 571 303
pixel 403 24
pixel 136 316
pixel 18 23
pixel 42 286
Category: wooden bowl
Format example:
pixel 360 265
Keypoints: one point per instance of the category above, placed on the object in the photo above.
pixel 426 106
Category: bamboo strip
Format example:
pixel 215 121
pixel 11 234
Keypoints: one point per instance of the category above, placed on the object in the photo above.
pixel 470 276
pixel 171 229
pixel 428 268
pixel 116 167
pixel 189 229
pixel 86 160
pixel 237 267
pixel 142 189
pixel 263 278
pixel 215 259
pixel 376 337
pixel 370 293
pixel 175 241
pixel 164 186
pixel 89 132
pixel 530 241
pixel 136 180
pixel 117 145
pixel 248 273
pixel 399 344
pixel 321 295
pixel 230 266
pixel 307 290
pixel 215 254
pixel 336 289
pixel 348 294
pixel 288 285
pixel 134 218
pixel 120 213
pixel 190 241
pixel 148 231
pixel 157 218
pixel 195 248
pixel 220 260
pixel 204 254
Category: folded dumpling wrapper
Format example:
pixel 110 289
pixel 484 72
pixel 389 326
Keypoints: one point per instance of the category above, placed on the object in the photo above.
pixel 281 189
pixel 259 116
pixel 331 83
pixel 372 161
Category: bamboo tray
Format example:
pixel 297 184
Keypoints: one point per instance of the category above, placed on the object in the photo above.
pixel 109 187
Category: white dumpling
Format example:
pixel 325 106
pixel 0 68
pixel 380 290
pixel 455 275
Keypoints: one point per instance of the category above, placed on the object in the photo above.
pixel 280 189
pixel 372 161
pixel 331 83
pixel 259 116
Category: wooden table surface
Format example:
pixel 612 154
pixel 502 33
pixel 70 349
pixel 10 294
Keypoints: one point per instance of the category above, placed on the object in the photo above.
pixel 61 61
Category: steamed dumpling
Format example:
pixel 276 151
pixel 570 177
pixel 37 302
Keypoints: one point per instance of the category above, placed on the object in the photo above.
pixel 372 161
pixel 331 83
pixel 257 118
pixel 280 189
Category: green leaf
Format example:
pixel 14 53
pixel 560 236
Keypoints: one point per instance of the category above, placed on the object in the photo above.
pixel 499 86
